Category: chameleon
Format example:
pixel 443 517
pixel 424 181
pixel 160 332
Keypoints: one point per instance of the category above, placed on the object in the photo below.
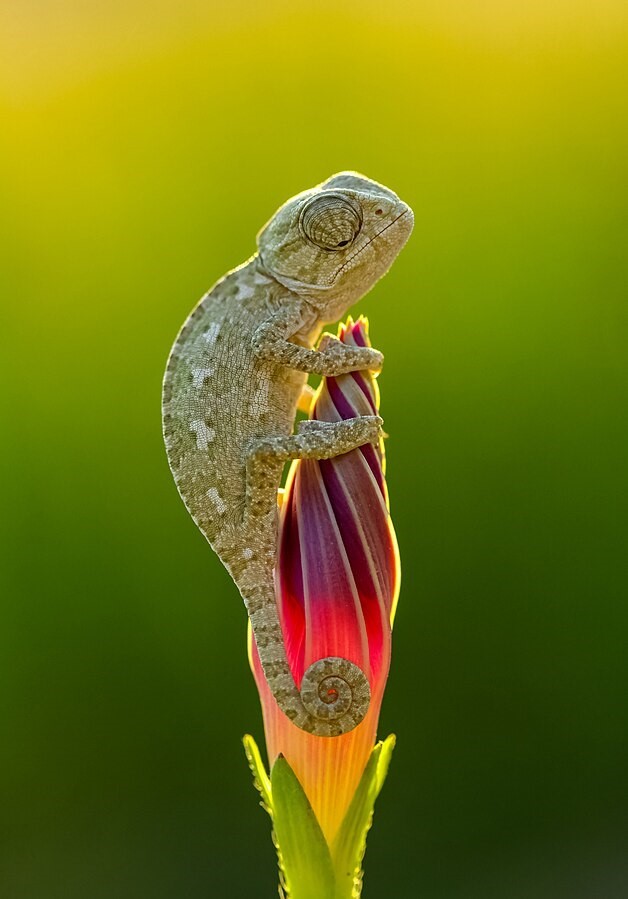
pixel 236 375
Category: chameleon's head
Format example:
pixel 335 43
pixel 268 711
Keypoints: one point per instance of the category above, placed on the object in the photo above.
pixel 332 243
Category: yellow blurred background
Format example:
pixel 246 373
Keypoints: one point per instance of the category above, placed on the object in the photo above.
pixel 142 145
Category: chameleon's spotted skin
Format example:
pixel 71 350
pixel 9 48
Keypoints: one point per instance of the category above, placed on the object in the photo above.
pixel 232 386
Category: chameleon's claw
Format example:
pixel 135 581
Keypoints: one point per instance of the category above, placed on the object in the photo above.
pixel 327 340
pixel 349 358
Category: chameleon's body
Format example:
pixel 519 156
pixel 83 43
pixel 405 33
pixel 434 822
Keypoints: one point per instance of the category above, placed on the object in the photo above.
pixel 233 383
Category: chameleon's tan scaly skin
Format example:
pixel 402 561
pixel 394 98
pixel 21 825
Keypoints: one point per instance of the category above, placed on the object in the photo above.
pixel 233 382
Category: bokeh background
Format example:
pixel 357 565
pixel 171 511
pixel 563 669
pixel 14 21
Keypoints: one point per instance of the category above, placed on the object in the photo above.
pixel 143 145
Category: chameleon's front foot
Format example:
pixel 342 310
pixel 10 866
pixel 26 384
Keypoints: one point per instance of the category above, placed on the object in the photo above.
pixel 333 357
pixel 313 440
pixel 341 357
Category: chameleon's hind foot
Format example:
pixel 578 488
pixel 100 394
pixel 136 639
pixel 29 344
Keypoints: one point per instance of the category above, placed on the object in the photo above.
pixel 314 440
pixel 358 431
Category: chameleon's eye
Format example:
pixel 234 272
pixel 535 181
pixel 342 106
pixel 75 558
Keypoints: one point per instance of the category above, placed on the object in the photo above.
pixel 331 221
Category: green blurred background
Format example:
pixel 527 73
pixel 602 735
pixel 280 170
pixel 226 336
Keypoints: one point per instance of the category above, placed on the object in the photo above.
pixel 143 145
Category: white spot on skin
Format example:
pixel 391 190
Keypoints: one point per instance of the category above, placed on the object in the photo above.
pixel 247 553
pixel 204 435
pixel 199 375
pixel 212 333
pixel 245 292
pixel 217 500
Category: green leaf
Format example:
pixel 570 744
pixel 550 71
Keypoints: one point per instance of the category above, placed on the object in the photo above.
pixel 349 844
pixel 307 867
pixel 305 857
pixel 260 778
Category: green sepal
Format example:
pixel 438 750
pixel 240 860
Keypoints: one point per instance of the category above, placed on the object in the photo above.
pixel 349 844
pixel 307 866
pixel 308 869
pixel 261 780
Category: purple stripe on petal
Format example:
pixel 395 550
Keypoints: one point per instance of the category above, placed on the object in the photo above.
pixel 363 520
pixel 363 384
pixel 371 454
pixel 334 621
pixel 350 397
pixel 344 407
pixel 290 593
pixel 290 573
pixel 346 515
pixel 358 333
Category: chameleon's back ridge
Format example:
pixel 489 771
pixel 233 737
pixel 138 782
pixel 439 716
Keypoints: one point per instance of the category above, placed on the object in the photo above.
pixel 237 374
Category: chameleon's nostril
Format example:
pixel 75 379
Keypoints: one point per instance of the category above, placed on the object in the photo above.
pixel 379 212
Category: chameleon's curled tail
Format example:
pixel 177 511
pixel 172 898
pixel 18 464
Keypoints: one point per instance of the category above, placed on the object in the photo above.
pixel 334 697
pixel 335 693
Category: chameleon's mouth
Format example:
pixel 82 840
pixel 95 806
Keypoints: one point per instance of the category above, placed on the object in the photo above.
pixel 308 289
pixel 348 261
